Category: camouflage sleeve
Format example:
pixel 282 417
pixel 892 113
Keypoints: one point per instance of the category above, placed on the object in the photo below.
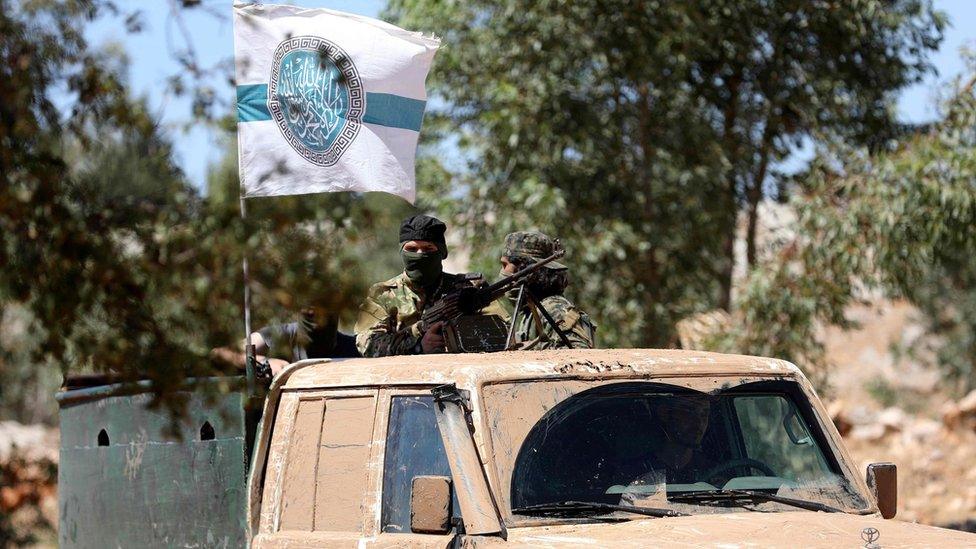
pixel 574 323
pixel 376 333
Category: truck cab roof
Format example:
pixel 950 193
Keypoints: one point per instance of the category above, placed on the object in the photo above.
pixel 476 369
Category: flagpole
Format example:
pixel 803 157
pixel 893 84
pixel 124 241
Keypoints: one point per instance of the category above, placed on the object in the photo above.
pixel 249 346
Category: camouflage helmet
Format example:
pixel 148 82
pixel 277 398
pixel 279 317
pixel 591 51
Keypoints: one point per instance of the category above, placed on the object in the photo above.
pixel 531 246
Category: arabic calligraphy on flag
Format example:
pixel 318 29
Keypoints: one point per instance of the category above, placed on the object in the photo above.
pixel 327 101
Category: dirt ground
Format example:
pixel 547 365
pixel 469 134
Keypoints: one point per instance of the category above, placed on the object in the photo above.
pixel 891 404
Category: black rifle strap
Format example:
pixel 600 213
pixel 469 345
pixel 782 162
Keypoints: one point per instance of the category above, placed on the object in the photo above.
pixel 548 317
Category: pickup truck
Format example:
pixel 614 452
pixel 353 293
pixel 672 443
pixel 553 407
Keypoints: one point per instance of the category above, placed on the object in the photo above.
pixel 602 448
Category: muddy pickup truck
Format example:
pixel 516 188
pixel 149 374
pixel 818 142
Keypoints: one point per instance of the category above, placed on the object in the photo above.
pixel 602 448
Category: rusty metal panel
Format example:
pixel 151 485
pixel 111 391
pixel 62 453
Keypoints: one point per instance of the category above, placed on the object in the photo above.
pixel 125 481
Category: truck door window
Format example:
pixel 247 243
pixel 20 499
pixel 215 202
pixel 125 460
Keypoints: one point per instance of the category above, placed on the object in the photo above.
pixel 325 475
pixel 774 433
pixel 413 448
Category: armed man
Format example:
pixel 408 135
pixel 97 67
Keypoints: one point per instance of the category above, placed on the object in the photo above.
pixel 543 318
pixel 391 319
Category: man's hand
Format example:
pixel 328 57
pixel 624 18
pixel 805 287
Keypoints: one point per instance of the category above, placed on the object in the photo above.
pixel 433 340
pixel 277 365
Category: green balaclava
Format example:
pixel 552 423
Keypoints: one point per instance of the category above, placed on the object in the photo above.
pixel 423 269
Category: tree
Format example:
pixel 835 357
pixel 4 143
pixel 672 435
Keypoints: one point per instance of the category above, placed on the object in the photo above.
pixel 901 220
pixel 638 131
pixel 112 259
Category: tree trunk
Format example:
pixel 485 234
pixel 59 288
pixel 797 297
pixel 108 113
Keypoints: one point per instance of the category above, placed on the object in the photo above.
pixel 731 151
pixel 655 335
pixel 751 228
pixel 728 251
pixel 755 193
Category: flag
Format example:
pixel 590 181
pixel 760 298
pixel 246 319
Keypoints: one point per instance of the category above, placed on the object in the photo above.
pixel 327 101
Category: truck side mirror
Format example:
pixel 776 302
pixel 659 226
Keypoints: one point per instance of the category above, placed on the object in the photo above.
pixel 430 505
pixel 883 481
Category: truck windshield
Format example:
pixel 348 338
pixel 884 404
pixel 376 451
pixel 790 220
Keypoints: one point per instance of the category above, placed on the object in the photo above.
pixel 660 446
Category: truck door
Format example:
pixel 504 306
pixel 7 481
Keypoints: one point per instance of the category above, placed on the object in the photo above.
pixel 411 447
pixel 318 475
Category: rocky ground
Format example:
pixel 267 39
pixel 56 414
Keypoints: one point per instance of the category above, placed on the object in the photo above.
pixel 891 404
pixel 936 458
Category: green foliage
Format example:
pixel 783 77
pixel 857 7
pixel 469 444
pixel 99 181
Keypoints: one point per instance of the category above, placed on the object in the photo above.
pixel 637 132
pixel 901 221
pixel 111 260
pixel 882 392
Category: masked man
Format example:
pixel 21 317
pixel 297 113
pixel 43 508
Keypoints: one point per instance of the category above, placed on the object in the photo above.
pixel 389 320
pixel 315 335
pixel 532 330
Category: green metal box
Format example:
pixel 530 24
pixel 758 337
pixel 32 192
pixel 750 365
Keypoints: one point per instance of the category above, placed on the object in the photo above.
pixel 125 480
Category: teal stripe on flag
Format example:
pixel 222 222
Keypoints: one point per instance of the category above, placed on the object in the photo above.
pixel 252 103
pixel 394 111
pixel 382 109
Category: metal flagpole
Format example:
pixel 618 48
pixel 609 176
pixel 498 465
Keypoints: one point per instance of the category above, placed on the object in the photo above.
pixel 249 360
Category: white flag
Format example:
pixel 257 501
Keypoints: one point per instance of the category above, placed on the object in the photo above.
pixel 327 101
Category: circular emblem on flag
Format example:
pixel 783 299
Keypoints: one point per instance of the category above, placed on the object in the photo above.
pixel 316 97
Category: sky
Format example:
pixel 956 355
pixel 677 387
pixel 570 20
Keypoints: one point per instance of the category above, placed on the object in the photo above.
pixel 152 62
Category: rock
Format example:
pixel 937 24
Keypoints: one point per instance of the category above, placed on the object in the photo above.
pixel 951 415
pixel 694 332
pixel 893 419
pixel 870 432
pixel 967 406
pixel 839 417
pixel 34 443
pixel 862 415
pixel 961 413
pixel 921 431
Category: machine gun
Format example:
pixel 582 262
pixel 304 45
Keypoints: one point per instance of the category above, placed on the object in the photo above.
pixel 464 329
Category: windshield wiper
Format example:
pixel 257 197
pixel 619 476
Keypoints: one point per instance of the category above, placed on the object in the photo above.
pixel 563 508
pixel 732 495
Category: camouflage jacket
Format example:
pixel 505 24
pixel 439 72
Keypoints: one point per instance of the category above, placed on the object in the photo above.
pixel 534 333
pixel 388 319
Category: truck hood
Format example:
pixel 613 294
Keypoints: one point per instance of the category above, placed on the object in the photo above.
pixel 789 529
